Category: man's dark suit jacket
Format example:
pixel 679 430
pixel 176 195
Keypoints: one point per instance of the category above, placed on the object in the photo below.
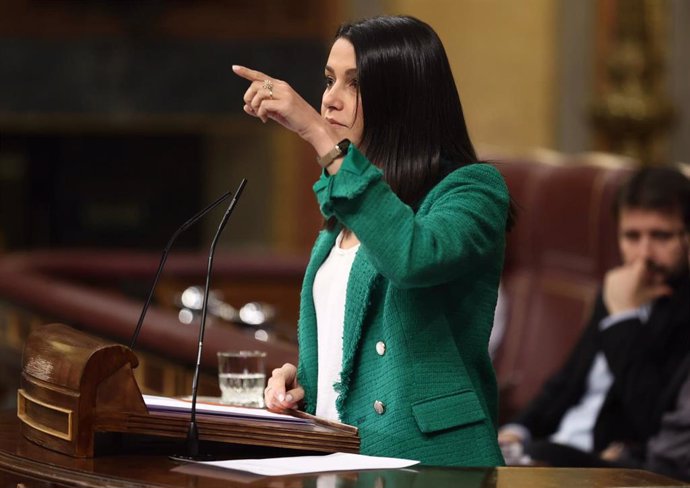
pixel 642 358
pixel 667 451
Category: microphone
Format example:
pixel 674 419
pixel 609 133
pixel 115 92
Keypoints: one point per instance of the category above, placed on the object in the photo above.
pixel 164 258
pixel 193 432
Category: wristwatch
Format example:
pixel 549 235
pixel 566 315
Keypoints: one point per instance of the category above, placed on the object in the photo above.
pixel 339 150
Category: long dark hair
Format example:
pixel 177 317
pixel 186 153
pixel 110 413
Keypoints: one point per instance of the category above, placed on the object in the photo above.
pixel 414 128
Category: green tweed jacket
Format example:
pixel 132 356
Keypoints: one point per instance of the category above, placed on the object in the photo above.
pixel 416 376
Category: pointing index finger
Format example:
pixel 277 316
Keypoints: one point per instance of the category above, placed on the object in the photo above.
pixel 248 74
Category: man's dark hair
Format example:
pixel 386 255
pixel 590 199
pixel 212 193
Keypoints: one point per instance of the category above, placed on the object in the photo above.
pixel 660 188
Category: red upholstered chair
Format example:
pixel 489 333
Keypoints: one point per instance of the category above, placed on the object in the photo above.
pixel 562 244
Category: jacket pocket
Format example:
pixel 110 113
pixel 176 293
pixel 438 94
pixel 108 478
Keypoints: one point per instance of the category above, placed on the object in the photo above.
pixel 447 411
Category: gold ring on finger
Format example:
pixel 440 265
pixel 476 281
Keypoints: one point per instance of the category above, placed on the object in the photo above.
pixel 268 85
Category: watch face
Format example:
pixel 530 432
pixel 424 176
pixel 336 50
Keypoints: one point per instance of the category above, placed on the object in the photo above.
pixel 343 145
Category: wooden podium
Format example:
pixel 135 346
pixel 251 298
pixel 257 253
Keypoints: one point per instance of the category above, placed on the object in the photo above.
pixel 74 385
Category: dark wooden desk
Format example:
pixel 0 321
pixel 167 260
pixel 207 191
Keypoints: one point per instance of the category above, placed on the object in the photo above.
pixel 25 465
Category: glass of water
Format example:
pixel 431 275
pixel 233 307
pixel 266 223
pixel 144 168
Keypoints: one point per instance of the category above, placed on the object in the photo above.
pixel 242 378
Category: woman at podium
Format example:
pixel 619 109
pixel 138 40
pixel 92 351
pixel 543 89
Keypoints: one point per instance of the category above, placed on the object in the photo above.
pixel 399 295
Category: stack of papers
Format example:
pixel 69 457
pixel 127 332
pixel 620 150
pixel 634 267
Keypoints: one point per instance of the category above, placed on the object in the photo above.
pixel 167 404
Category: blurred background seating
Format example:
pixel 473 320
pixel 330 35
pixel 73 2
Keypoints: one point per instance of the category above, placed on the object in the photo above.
pixel 556 256
pixel 100 292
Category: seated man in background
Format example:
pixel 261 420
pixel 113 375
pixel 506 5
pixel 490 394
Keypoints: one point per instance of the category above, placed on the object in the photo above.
pixel 668 451
pixel 610 387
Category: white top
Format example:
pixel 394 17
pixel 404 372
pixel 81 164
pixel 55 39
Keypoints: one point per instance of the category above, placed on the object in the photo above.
pixel 501 315
pixel 330 289
pixel 577 425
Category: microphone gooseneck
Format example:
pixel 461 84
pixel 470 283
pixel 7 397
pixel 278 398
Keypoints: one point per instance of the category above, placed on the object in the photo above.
pixel 164 258
pixel 193 431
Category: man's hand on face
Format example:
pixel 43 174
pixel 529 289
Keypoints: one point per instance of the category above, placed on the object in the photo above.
pixel 632 285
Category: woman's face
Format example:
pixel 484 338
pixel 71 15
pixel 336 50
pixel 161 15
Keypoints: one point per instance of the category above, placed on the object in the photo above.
pixel 341 104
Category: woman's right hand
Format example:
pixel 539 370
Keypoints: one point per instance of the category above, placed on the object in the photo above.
pixel 270 98
pixel 283 392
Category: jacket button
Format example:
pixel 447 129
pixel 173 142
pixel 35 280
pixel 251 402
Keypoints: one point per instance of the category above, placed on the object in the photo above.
pixel 379 407
pixel 381 348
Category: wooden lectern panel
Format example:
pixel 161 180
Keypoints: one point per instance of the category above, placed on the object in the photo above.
pixel 74 385
pixel 68 379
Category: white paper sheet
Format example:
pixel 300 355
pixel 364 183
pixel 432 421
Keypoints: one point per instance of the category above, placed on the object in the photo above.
pixel 312 464
pixel 159 403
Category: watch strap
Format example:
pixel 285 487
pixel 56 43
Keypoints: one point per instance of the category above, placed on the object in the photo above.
pixel 338 150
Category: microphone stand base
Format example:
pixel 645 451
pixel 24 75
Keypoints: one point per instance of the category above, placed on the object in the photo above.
pixel 181 458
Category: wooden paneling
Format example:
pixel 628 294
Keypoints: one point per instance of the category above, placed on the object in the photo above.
pixel 199 19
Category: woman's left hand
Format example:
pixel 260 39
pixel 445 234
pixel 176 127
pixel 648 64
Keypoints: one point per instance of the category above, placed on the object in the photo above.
pixel 283 391
pixel 269 98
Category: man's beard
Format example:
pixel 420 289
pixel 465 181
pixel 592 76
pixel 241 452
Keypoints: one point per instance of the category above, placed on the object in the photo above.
pixel 672 277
